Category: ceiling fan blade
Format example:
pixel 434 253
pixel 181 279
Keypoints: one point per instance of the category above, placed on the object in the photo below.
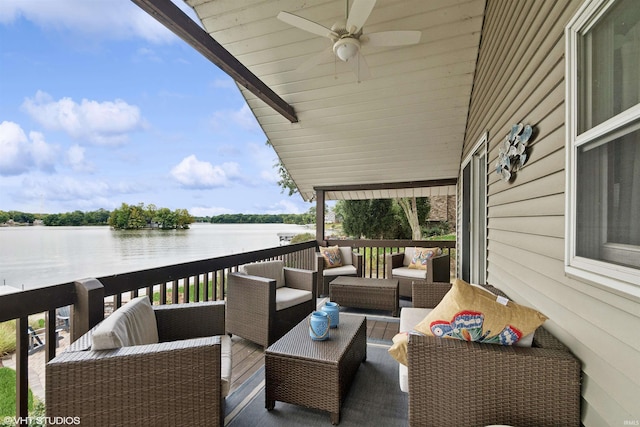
pixel 316 59
pixel 391 38
pixel 358 15
pixel 306 25
pixel 360 67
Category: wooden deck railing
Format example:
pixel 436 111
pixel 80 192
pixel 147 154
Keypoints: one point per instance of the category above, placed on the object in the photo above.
pixel 202 280
pixel 374 251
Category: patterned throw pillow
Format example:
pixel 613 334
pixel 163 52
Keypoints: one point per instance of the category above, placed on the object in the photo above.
pixel 332 256
pixel 399 348
pixel 471 313
pixel 421 256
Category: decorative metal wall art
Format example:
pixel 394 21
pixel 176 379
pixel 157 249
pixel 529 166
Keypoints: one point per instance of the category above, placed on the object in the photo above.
pixel 513 151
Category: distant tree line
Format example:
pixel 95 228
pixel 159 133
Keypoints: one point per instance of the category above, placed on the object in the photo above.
pixel 300 219
pixel 16 216
pixel 125 217
pixel 75 218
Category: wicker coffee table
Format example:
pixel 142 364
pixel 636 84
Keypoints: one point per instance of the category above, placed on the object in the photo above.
pixel 362 292
pixel 315 374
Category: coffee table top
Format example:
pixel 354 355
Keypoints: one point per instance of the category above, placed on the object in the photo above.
pixel 364 282
pixel 297 342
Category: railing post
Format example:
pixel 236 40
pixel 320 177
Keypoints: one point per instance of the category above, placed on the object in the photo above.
pixel 89 308
pixel 22 370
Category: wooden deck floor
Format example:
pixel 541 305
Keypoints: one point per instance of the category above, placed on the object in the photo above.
pixel 249 357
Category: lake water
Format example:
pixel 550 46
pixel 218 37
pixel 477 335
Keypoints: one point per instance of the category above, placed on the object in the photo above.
pixel 37 256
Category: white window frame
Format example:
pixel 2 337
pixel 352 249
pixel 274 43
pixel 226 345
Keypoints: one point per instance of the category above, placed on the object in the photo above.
pixel 612 277
pixel 478 240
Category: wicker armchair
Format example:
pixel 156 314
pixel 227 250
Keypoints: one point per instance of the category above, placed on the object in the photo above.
pixel 174 382
pixel 457 383
pixel 438 270
pixel 255 310
pixel 352 266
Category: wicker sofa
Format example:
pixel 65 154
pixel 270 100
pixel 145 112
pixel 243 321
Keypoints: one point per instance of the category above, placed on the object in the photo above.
pixel 458 383
pixel 182 380
pixel 397 267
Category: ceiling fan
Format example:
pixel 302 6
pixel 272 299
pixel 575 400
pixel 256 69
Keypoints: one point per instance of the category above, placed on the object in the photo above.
pixel 348 37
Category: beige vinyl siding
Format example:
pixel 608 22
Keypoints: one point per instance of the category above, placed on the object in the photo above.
pixel 520 78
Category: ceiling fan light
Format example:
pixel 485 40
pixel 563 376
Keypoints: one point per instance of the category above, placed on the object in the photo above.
pixel 346 48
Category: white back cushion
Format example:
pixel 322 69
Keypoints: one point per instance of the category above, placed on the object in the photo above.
pixel 132 324
pixel 408 256
pixel 273 270
pixel 345 251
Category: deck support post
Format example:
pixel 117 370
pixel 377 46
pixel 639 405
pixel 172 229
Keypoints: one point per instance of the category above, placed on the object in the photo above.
pixel 320 218
pixel 88 310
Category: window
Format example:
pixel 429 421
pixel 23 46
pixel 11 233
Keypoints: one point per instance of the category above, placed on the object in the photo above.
pixel 603 144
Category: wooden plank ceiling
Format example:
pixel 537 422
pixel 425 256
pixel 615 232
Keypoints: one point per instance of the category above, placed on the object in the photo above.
pixel 405 123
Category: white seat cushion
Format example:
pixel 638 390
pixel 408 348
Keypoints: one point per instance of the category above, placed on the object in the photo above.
pixel 412 273
pixel 132 324
pixel 345 270
pixel 409 317
pixel 288 297
pixel 225 363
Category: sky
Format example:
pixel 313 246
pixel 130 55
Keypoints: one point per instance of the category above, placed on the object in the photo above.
pixel 101 105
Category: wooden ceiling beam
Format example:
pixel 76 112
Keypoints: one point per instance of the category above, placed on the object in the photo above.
pixel 170 15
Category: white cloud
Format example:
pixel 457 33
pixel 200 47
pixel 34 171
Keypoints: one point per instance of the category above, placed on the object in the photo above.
pixel 77 161
pixel 193 173
pixel 105 19
pixel 72 193
pixel 283 206
pixel 271 176
pixel 242 117
pixel 101 123
pixel 44 155
pixel 21 154
pixel 63 188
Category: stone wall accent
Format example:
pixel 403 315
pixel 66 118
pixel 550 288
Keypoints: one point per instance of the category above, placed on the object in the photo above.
pixel 443 208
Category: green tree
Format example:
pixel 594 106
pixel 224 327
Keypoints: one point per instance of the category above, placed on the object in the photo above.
pixel 21 217
pixel 4 217
pixel 183 219
pixel 119 218
pixel 416 211
pixel 165 218
pixel 285 182
pixel 372 219
pixel 137 217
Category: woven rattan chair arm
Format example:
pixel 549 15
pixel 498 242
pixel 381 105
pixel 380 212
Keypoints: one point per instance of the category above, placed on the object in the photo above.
pixel 395 260
pixel 157 384
pixel 521 386
pixel 319 262
pixel 428 295
pixel 438 268
pixel 358 262
pixel 544 339
pixel 253 292
pixel 300 279
pixel 190 320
